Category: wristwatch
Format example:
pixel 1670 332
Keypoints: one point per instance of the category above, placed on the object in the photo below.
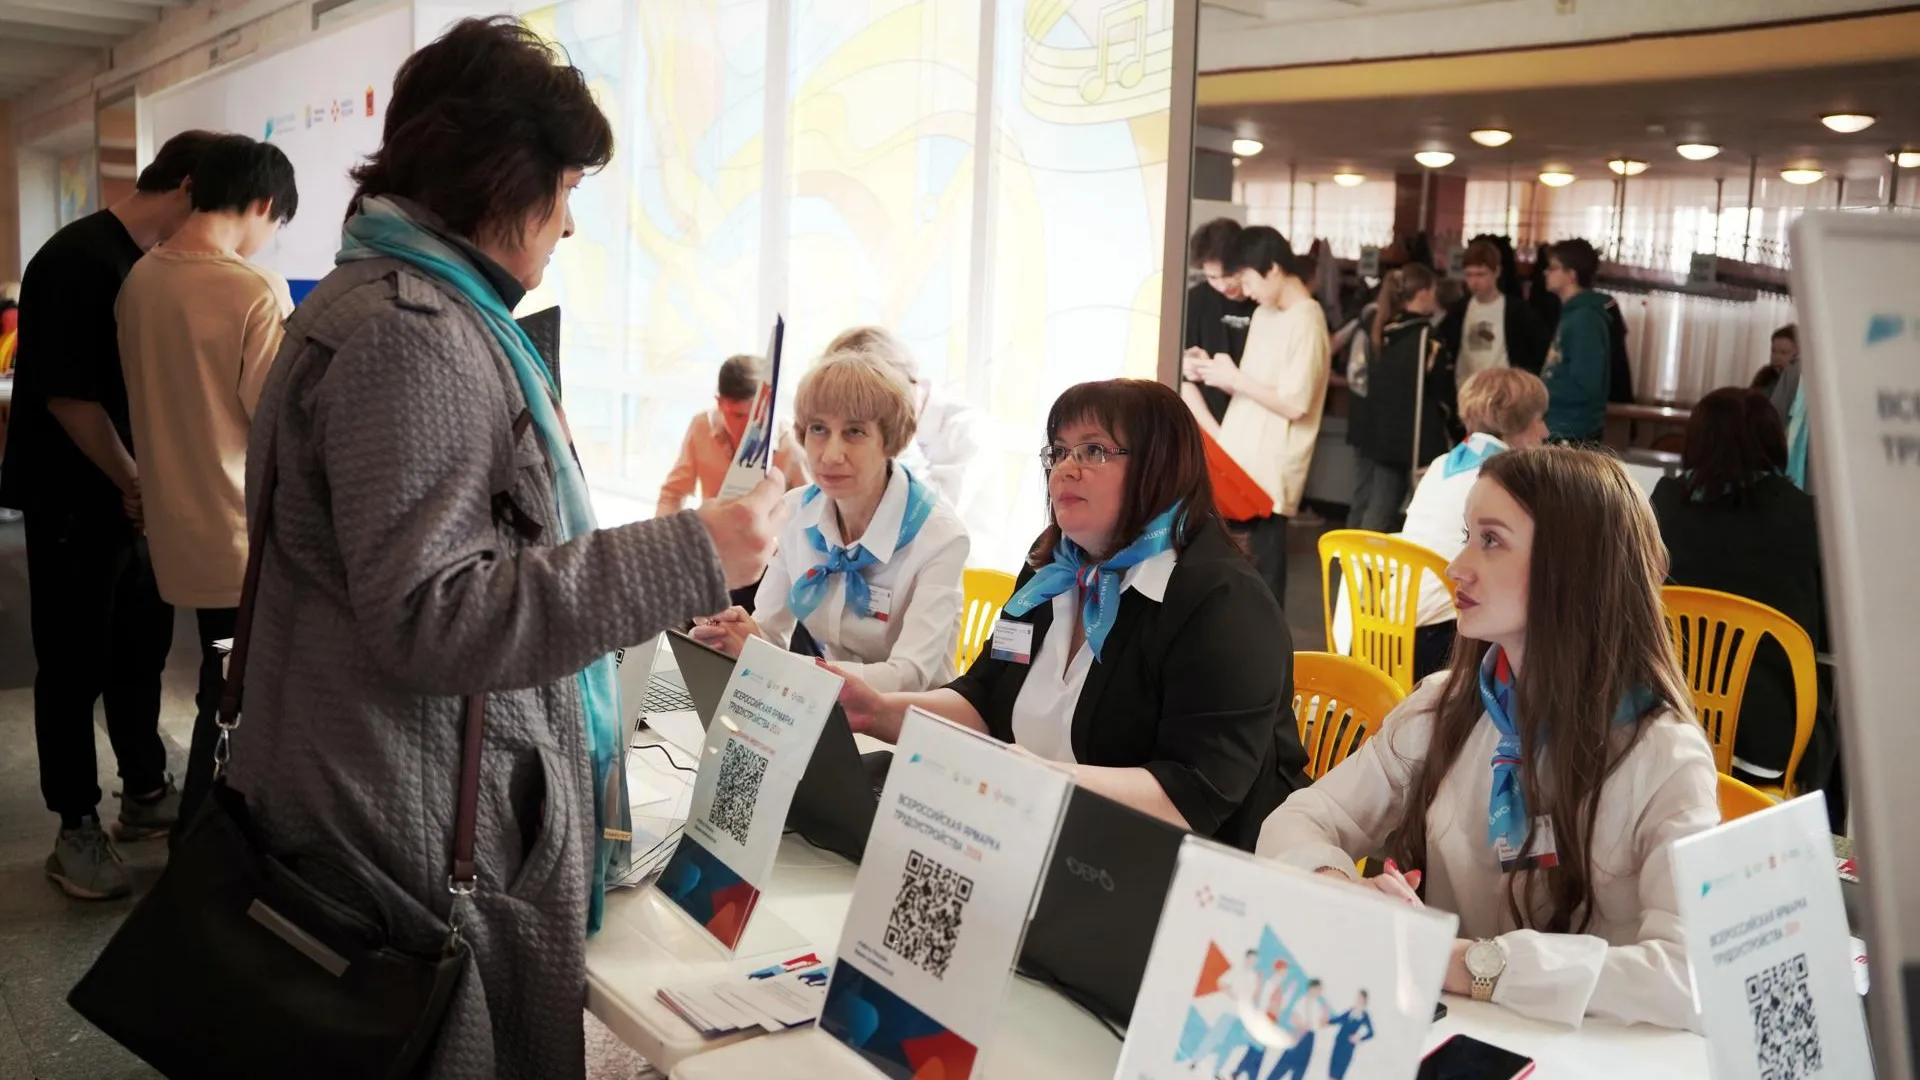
pixel 1486 959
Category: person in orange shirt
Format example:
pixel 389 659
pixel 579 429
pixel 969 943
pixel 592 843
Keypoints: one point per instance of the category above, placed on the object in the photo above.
pixel 714 435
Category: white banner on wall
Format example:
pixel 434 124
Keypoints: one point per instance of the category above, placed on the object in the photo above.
pixel 323 102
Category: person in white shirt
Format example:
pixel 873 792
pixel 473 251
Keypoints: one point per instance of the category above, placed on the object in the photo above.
pixel 949 435
pixel 871 557
pixel 1279 389
pixel 1536 789
pixel 1490 327
pixel 1506 409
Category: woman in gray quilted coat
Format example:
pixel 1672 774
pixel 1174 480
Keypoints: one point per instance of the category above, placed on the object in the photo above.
pixel 431 539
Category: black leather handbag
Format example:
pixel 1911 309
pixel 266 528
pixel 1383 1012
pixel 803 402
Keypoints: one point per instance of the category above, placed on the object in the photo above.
pixel 244 964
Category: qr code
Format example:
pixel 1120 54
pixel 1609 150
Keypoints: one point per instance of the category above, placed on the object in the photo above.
pixel 925 924
pixel 1786 1033
pixel 741 769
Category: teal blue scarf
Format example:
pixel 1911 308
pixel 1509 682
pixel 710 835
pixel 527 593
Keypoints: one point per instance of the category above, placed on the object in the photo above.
pixel 381 229
pixel 806 594
pixel 1797 437
pixel 1098 582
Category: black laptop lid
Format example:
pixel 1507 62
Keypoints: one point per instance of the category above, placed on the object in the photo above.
pixel 1100 903
pixel 704 670
pixel 835 803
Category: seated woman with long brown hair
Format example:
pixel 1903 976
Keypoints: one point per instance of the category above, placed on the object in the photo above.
pixel 1536 788
pixel 1142 649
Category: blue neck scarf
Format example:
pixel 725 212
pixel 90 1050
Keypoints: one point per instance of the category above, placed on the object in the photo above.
pixel 807 592
pixel 1507 819
pixel 1099 581
pixel 381 229
pixel 1797 438
pixel 1471 454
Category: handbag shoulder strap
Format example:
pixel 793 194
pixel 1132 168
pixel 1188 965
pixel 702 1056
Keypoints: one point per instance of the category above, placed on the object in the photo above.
pixel 466 811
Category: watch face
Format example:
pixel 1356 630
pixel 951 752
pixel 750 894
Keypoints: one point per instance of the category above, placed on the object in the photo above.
pixel 1485 960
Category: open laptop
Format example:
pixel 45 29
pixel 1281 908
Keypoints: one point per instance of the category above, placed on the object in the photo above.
pixel 835 802
pixel 1100 903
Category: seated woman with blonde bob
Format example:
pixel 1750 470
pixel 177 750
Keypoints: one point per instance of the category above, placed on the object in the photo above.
pixel 1535 789
pixel 871 556
pixel 1148 656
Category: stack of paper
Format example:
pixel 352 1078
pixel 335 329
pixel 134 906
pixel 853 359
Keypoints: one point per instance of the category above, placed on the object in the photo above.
pixel 772 998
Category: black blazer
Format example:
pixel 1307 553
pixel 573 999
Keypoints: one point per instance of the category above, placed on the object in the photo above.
pixel 1197 689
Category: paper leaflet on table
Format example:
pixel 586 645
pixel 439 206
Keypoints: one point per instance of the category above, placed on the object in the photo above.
pixel 771 997
pixel 1260 969
pixel 754 456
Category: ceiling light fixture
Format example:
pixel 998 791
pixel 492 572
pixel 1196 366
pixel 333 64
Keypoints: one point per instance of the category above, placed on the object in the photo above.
pixel 1906 159
pixel 1698 151
pixel 1627 167
pixel 1349 179
pixel 1236 163
pixel 1491 137
pixel 1848 123
pixel 1801 176
pixel 1434 159
pixel 1556 178
pixel 1247 147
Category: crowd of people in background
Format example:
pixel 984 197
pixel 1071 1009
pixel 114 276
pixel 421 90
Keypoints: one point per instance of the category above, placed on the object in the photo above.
pixel 431 544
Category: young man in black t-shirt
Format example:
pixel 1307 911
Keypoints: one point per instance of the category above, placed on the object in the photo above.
pixel 1218 313
pixel 100 629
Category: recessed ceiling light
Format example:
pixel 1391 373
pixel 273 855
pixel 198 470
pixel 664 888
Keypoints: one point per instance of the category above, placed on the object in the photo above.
pixel 1236 163
pixel 1698 151
pixel 1248 147
pixel 1491 137
pixel 1906 159
pixel 1434 159
pixel 1627 167
pixel 1801 176
pixel 1556 178
pixel 1349 179
pixel 1848 123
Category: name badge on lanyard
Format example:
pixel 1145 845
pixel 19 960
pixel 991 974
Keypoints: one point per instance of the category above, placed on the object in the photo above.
pixel 1538 846
pixel 1012 641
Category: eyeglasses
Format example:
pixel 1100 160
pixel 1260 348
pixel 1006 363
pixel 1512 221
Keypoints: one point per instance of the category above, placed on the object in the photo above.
pixel 1089 455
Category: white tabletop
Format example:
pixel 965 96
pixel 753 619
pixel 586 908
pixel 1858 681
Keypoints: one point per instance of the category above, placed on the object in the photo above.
pixel 1035 1042
pixel 647 943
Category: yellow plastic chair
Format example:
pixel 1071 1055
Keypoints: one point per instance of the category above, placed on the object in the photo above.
pixel 986 592
pixel 1339 702
pixel 1715 634
pixel 1382 576
pixel 1738 799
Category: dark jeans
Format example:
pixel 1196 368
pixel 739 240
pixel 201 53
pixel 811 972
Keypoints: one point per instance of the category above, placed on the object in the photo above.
pixel 100 630
pixel 1266 542
pixel 215 624
pixel 1378 493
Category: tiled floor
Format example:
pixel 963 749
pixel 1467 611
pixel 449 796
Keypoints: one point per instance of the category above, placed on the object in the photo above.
pixel 48 941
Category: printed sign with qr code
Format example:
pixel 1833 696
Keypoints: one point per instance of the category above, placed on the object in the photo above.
pixel 924 926
pixel 741 770
pixel 1786 1031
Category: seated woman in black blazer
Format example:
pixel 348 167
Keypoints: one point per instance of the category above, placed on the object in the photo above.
pixel 1733 521
pixel 1158 666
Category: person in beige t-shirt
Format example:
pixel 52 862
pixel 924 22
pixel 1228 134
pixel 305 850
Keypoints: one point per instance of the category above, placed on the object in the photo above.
pixel 199 326
pixel 1278 390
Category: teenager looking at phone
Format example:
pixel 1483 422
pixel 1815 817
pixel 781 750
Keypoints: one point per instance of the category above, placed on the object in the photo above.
pixel 1166 681
pixel 1278 390
pixel 1535 790
pixel 871 557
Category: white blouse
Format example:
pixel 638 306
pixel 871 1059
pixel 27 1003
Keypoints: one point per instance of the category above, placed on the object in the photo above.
pixel 917 588
pixel 1631 964
pixel 1043 710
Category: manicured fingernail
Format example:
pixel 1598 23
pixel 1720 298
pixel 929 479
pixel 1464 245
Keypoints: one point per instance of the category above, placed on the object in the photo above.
pixel 1392 867
pixel 1413 879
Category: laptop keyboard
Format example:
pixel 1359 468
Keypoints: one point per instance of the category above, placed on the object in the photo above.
pixel 663 697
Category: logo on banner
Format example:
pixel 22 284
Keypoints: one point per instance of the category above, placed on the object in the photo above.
pixel 1884 328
